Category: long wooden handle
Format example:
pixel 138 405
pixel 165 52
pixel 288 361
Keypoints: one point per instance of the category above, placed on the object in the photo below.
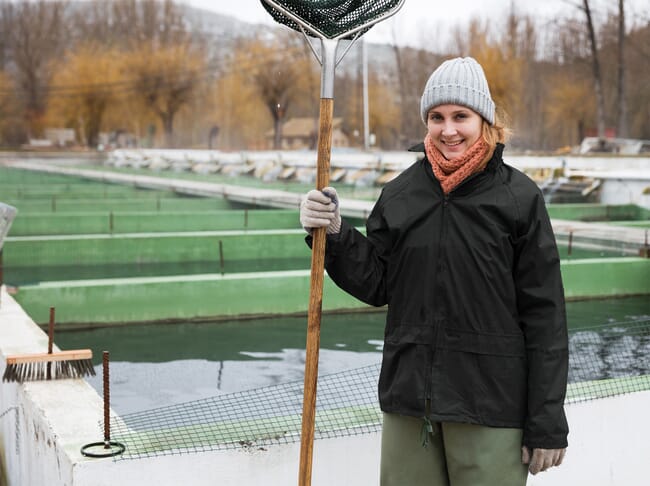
pixel 315 300
pixel 70 355
pixel 50 331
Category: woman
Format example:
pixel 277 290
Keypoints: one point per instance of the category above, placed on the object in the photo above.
pixel 461 249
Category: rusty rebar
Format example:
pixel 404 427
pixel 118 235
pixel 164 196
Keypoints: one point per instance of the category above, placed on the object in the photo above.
pixel 50 341
pixel 107 401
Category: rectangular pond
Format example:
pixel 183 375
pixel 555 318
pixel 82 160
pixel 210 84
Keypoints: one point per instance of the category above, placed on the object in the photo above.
pixel 158 365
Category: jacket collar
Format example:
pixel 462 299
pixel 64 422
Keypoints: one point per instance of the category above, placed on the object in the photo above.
pixel 418 147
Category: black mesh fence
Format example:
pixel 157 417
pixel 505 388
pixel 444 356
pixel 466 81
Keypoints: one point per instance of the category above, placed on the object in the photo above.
pixel 609 360
pixel 604 361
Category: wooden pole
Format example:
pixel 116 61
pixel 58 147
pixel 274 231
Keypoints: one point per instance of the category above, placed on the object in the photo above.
pixel 315 300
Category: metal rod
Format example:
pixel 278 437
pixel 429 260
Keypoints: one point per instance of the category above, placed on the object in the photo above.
pixel 107 401
pixel 366 108
pixel 570 241
pixel 221 260
pixel 50 341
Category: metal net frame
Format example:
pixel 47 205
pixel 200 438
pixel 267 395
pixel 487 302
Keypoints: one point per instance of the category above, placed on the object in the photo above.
pixel 330 18
pixel 604 361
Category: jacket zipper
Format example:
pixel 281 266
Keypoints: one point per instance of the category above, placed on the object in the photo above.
pixel 429 389
pixel 445 203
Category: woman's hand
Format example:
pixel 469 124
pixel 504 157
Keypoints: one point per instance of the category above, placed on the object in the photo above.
pixel 320 209
pixel 541 459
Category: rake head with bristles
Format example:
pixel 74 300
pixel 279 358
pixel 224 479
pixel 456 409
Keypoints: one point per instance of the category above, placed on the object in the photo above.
pixel 45 366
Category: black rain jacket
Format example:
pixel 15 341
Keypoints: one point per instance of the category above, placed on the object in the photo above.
pixel 476 326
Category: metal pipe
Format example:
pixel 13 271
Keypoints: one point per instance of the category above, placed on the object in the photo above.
pixel 328 59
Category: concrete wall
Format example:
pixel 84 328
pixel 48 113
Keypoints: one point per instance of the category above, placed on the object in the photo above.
pixel 182 297
pixel 601 277
pixel 608 440
pixel 138 248
pixel 625 191
pixel 598 212
pixel 151 221
pixel 240 294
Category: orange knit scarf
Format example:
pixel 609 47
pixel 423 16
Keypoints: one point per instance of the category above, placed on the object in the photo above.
pixel 452 172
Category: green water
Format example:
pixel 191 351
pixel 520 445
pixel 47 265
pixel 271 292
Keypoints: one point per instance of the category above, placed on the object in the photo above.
pixel 17 276
pixel 159 365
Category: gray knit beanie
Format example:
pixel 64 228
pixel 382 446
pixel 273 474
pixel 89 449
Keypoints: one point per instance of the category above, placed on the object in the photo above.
pixel 459 81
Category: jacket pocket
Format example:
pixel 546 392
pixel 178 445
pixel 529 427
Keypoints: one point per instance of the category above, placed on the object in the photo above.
pixel 484 343
pixel 486 376
pixel 406 333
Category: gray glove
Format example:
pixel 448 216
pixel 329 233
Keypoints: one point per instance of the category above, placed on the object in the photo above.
pixel 320 209
pixel 541 459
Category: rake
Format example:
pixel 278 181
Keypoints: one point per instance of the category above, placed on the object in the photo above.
pixel 329 21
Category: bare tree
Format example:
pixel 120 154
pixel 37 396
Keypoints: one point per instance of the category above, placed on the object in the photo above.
pixel 34 34
pixel 165 80
pixel 278 78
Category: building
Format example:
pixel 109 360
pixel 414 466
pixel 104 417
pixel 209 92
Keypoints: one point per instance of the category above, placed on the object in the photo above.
pixel 302 133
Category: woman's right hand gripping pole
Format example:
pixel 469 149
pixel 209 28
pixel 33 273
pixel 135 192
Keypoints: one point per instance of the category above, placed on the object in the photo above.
pixel 320 209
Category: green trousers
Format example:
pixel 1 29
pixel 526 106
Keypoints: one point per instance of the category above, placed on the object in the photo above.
pixel 455 455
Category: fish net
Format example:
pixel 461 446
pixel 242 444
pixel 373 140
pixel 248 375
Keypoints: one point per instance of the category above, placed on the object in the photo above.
pixel 332 18
pixel 604 361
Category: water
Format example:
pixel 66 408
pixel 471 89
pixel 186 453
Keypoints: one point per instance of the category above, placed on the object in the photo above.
pixel 25 275
pixel 160 365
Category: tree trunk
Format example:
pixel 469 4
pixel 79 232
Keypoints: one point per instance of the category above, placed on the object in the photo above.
pixel 401 73
pixel 277 133
pixel 598 83
pixel 621 115
pixel 168 126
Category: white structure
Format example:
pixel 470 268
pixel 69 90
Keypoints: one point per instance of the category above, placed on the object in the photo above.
pixel 43 426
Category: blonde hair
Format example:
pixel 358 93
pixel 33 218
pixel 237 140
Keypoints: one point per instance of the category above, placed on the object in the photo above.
pixel 498 132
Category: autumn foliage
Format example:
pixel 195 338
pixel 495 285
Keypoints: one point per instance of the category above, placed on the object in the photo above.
pixel 140 67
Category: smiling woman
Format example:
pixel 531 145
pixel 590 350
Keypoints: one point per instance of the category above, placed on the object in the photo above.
pixel 457 108
pixel 461 249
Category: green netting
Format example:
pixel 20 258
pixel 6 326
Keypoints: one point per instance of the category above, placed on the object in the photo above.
pixel 332 18
pixel 605 361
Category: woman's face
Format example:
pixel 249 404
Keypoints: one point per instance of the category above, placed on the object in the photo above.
pixel 453 129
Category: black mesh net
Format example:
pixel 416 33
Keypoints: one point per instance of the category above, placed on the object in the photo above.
pixel 609 360
pixel 346 405
pixel 604 361
pixel 332 18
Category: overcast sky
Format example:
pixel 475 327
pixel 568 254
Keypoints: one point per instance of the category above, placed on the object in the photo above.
pixel 419 16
